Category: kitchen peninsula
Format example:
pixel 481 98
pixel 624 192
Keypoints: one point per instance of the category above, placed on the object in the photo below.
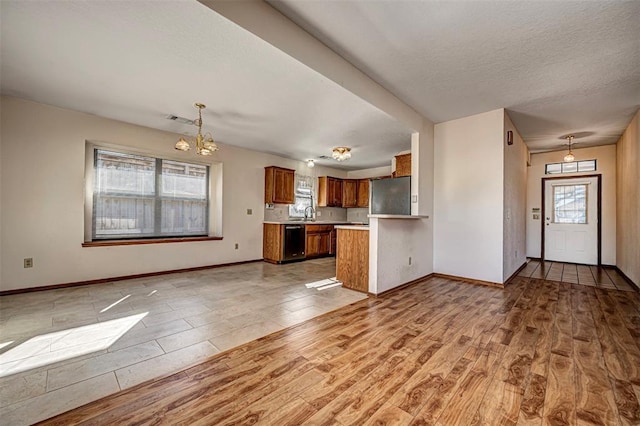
pixel 352 257
pixel 388 253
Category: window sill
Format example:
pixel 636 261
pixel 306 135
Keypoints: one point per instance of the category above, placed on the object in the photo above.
pixel 154 241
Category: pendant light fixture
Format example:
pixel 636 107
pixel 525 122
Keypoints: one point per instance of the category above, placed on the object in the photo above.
pixel 204 143
pixel 569 157
pixel 341 153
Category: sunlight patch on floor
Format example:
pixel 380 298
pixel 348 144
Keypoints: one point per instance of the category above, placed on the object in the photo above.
pixel 66 344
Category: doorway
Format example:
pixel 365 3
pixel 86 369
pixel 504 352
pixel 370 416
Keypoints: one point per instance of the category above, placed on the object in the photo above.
pixel 571 227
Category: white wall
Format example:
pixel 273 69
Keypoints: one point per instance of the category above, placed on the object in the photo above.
pixel 42 196
pixel 468 197
pixel 606 164
pixel 370 173
pixel 628 201
pixel 391 243
pixel 515 200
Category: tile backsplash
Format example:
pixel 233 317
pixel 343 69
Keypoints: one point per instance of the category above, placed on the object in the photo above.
pixel 358 215
pixel 280 212
pixel 331 213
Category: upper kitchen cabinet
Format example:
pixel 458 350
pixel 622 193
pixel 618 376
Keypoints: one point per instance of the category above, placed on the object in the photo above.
pixel 329 192
pixel 279 185
pixel 363 193
pixel 403 165
pixel 349 193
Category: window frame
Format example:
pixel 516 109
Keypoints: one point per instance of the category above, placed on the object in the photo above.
pixel 300 194
pixel 214 198
pixel 577 165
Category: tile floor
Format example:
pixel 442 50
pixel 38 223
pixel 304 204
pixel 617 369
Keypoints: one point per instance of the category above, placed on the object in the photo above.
pixel 107 337
pixel 592 276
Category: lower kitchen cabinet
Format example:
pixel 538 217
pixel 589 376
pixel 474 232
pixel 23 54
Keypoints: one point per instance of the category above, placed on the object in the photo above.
pixel 319 240
pixel 272 244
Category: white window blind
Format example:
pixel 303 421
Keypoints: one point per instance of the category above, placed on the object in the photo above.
pixel 137 196
pixel 303 195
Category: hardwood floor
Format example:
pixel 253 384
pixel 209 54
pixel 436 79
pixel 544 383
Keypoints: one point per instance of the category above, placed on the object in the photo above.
pixel 439 352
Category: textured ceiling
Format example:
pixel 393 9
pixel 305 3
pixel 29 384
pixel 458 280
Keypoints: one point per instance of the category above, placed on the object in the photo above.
pixel 558 67
pixel 138 61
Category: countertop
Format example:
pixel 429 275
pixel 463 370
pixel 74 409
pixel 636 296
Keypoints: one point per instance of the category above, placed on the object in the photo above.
pixel 353 227
pixel 316 222
pixel 397 216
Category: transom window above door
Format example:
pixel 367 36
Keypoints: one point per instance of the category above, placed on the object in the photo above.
pixel 570 203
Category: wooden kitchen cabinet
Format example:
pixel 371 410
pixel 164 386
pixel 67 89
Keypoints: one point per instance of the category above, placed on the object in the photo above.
pixel 334 240
pixel 318 240
pixel 272 247
pixel 279 185
pixel 352 259
pixel 349 193
pixel 403 165
pixel 363 193
pixel 329 192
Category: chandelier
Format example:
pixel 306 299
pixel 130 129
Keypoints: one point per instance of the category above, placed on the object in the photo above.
pixel 569 157
pixel 341 153
pixel 204 143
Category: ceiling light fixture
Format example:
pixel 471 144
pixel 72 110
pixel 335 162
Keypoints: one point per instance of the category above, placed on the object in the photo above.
pixel 204 143
pixel 341 153
pixel 311 164
pixel 569 157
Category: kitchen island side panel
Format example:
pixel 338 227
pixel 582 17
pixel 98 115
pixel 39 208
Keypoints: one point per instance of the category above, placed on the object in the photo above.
pixel 352 258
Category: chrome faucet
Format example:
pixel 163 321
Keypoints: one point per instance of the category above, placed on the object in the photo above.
pixel 310 216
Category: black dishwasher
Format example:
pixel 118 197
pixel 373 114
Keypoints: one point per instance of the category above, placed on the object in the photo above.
pixel 294 240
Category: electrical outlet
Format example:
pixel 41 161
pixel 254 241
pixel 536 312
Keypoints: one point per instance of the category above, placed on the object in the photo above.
pixel 236 246
pixel 28 262
pixel 318 213
pixel 249 211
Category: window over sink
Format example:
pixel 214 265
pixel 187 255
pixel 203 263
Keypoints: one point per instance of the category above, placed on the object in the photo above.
pixel 304 189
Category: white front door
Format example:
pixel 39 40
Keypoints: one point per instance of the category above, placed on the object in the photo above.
pixel 571 220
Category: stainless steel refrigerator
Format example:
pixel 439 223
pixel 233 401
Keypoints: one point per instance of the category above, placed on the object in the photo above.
pixel 391 196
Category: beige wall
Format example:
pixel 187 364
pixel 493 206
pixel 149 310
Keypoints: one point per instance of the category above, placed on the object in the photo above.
pixel 468 197
pixel 628 201
pixel 515 200
pixel 42 197
pixel 606 164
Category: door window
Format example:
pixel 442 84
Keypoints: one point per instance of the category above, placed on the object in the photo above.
pixel 570 203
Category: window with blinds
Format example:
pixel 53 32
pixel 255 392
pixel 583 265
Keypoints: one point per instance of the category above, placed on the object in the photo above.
pixel 303 196
pixel 137 196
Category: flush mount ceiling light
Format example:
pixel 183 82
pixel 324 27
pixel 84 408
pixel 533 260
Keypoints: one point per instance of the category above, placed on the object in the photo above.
pixel 311 164
pixel 569 157
pixel 341 153
pixel 204 143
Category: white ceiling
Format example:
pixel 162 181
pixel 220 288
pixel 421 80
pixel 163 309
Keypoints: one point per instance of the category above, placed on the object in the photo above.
pixel 558 67
pixel 138 61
